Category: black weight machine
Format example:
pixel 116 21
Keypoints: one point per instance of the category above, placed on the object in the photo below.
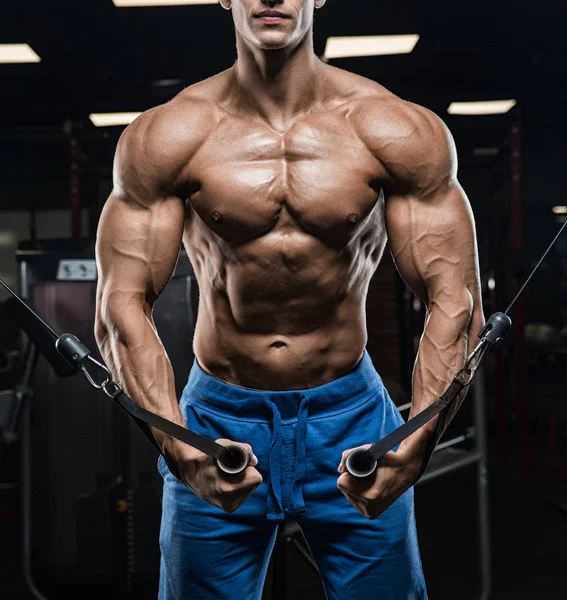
pixel 90 487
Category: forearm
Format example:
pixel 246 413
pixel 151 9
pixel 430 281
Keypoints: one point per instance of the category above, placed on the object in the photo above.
pixel 449 335
pixel 138 361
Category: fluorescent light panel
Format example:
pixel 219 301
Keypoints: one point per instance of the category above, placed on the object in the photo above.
pixel 17 53
pixel 560 210
pixel 131 3
pixel 113 119
pixel 369 45
pixel 492 107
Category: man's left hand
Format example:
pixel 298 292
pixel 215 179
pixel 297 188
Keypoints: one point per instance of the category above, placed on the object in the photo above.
pixel 394 475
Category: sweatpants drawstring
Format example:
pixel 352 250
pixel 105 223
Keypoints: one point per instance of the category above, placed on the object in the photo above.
pixel 297 501
pixel 274 503
pixel 274 508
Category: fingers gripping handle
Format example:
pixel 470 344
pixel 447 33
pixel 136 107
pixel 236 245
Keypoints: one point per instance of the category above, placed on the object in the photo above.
pixel 234 459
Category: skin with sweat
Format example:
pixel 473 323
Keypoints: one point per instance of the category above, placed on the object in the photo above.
pixel 284 177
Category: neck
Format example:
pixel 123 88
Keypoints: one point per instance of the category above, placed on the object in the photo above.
pixel 277 85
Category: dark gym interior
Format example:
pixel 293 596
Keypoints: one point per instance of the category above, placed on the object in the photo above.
pixel 79 490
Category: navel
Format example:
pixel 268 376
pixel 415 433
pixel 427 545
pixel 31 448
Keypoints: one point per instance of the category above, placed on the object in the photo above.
pixel 278 345
pixel 353 218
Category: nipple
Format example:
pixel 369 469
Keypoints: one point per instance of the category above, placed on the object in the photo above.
pixel 218 217
pixel 353 218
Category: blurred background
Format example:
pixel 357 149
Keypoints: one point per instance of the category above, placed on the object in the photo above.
pixel 79 492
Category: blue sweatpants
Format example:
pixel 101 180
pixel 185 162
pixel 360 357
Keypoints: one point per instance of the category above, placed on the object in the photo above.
pixel 298 437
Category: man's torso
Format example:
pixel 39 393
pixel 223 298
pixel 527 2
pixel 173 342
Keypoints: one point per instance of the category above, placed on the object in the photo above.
pixel 284 231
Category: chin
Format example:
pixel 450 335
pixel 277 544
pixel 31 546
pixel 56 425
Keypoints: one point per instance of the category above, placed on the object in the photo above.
pixel 273 41
pixel 272 46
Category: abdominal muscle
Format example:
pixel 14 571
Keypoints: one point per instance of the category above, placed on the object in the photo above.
pixel 273 362
pixel 280 346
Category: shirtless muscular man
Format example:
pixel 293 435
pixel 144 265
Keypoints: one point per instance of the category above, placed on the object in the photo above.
pixel 284 177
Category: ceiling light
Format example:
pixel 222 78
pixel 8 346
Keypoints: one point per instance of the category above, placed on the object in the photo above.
pixel 492 107
pixel 113 119
pixel 167 82
pixel 129 3
pixel 369 45
pixel 560 210
pixel 18 53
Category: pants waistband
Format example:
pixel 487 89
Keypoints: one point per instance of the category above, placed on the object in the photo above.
pixel 338 395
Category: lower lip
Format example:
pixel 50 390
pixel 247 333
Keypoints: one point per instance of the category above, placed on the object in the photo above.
pixel 271 20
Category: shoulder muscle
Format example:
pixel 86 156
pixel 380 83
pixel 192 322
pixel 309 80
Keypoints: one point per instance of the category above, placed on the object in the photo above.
pixel 155 148
pixel 414 145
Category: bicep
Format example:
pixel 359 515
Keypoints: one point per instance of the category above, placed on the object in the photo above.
pixel 433 243
pixel 137 250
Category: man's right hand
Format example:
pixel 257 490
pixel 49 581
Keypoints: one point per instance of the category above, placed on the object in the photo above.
pixel 201 474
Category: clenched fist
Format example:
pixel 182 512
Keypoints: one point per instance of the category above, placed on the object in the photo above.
pixel 394 475
pixel 201 474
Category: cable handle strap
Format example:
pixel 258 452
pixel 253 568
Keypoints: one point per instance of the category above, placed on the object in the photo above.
pixel 231 459
pixel 68 355
pixel 362 463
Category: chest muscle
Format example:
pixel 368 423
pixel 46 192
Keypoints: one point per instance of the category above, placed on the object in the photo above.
pixel 318 177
